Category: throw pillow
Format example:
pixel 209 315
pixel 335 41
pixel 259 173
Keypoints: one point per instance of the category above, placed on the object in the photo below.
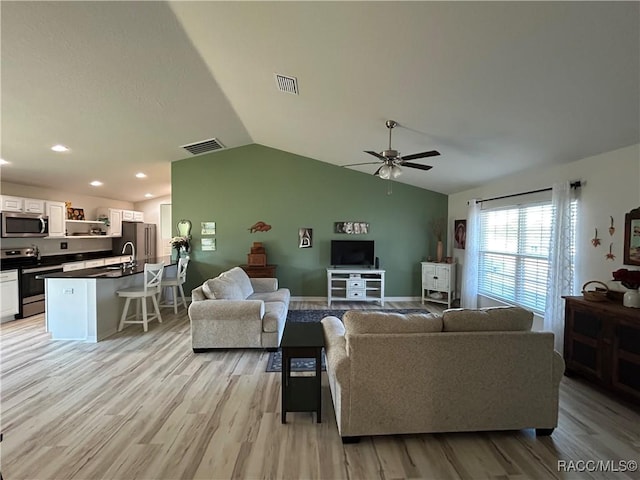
pixel 207 289
pixel 240 278
pixel 358 321
pixel 503 319
pixel 225 289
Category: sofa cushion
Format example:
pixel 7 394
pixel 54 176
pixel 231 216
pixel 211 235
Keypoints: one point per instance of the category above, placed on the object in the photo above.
pixel 240 278
pixel 506 319
pixel 280 295
pixel 222 288
pixel 358 321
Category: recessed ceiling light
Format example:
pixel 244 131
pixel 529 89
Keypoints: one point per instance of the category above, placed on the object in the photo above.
pixel 148 195
pixel 140 175
pixel 3 162
pixel 60 148
pixel 95 183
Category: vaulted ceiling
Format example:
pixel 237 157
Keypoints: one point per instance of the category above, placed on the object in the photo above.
pixel 495 87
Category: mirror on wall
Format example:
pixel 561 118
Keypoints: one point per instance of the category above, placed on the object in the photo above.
pixel 632 237
pixel 184 228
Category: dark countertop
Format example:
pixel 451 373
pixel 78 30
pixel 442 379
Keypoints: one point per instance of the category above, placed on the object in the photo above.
pixel 111 271
pixel 52 260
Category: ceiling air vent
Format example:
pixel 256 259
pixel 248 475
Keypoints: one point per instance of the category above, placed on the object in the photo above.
pixel 287 84
pixel 204 146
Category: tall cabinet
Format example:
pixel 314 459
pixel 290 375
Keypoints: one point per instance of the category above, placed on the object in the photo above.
pixel 438 282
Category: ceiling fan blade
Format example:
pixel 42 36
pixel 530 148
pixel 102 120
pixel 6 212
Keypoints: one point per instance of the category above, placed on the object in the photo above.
pixel 431 153
pixel 378 171
pixel 416 165
pixel 365 163
pixel 375 154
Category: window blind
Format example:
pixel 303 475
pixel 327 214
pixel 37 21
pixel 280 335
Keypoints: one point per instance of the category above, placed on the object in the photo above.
pixel 514 254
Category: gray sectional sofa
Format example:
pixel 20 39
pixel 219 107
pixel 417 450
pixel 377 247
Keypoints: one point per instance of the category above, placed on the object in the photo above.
pixel 235 311
pixel 467 370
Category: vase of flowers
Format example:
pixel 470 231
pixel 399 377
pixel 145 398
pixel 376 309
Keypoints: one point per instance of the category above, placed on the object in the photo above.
pixel 180 243
pixel 631 280
pixel 437 227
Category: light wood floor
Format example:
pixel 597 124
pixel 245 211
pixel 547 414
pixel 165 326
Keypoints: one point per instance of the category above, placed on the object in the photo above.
pixel 144 406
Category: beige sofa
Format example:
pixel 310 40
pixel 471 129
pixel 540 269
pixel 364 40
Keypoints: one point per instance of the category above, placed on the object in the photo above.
pixel 235 311
pixel 468 370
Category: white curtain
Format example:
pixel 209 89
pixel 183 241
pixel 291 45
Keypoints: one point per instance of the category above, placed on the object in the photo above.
pixel 561 262
pixel 469 290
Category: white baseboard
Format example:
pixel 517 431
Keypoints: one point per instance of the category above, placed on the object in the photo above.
pixel 324 299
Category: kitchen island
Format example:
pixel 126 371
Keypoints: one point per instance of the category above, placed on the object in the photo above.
pixel 83 304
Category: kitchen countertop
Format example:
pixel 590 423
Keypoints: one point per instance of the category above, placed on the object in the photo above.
pixel 111 271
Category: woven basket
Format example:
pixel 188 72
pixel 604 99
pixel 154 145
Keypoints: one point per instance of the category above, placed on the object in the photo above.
pixel 595 295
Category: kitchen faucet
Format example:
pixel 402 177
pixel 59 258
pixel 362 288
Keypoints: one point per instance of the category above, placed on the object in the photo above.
pixel 133 253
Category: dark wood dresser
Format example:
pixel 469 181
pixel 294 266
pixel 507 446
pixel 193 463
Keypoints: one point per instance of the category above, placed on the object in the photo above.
pixel 266 271
pixel 602 344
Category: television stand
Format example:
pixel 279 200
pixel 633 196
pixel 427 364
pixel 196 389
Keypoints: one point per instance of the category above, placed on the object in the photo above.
pixel 355 285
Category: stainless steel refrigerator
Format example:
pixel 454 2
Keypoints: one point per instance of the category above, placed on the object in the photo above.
pixel 143 237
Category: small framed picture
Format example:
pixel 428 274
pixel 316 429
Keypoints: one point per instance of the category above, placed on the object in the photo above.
pixel 208 228
pixel 460 234
pixel 305 238
pixel 351 228
pixel 75 213
pixel 208 244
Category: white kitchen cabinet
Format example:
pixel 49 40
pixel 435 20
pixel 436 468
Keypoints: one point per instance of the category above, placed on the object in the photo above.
pixel 94 263
pixel 12 204
pixel 9 294
pixel 21 204
pixel 70 267
pixel 32 205
pixel 56 211
pixel 115 220
pixel 438 282
pixel 132 216
pixel 111 260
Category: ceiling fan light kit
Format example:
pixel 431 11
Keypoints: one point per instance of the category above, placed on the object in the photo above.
pixel 392 161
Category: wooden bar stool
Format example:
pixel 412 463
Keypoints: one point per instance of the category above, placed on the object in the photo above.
pixel 151 288
pixel 175 284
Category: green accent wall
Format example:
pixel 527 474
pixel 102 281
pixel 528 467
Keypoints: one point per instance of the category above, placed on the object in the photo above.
pixel 238 187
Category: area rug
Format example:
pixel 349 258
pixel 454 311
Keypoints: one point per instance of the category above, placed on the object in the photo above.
pixel 317 315
pixel 274 364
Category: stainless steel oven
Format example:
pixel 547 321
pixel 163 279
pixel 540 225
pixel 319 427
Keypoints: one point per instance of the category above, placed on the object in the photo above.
pixel 21 225
pixel 32 288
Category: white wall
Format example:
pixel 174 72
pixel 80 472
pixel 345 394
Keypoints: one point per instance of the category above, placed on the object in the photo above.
pixel 611 187
pixel 151 210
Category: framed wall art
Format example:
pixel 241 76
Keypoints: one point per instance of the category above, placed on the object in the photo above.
pixel 351 228
pixel 305 238
pixel 632 237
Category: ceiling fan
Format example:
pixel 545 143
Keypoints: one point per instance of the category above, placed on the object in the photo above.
pixel 392 161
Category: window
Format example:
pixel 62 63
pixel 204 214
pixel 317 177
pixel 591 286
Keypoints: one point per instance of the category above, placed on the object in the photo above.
pixel 514 254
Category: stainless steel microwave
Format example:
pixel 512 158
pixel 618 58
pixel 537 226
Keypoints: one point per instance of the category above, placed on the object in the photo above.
pixel 15 224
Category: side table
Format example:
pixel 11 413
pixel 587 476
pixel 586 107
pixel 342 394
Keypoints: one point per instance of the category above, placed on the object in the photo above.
pixel 302 393
pixel 253 271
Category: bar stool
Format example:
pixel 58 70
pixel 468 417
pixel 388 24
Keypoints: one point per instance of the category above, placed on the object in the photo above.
pixel 151 288
pixel 175 284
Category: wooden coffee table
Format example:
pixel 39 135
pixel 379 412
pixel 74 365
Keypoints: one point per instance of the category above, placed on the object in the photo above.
pixel 302 393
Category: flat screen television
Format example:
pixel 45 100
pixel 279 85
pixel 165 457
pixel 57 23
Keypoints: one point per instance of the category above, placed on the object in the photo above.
pixel 352 253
